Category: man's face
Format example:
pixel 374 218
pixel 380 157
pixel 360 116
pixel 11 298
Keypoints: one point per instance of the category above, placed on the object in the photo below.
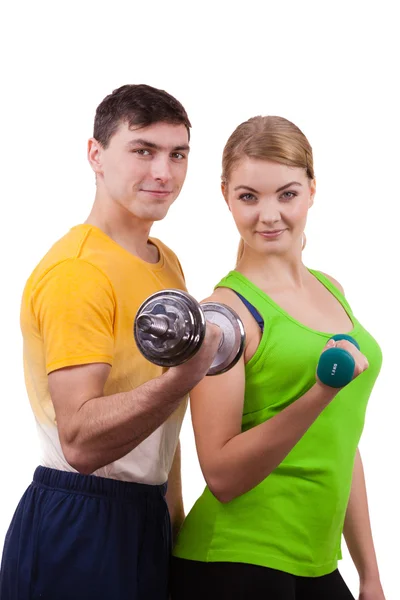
pixel 142 170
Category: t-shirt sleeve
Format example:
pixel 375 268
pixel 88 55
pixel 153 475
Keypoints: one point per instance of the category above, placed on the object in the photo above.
pixel 180 267
pixel 74 307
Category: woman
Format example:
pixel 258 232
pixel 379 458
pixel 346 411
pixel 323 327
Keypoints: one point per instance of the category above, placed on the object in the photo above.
pixel 278 447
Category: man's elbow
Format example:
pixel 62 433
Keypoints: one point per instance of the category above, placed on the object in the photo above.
pixel 78 460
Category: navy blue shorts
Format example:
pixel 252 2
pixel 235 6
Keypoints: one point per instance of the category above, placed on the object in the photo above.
pixel 78 537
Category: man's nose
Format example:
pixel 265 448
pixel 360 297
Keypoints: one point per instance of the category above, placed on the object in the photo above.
pixel 161 169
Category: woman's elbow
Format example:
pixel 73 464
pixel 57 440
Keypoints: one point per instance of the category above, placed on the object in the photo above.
pixel 227 489
pixel 220 490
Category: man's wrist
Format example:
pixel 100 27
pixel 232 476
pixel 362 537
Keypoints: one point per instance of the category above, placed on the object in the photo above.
pixel 174 384
pixel 180 381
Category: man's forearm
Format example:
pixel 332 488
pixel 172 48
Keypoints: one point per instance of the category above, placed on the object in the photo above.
pixel 107 428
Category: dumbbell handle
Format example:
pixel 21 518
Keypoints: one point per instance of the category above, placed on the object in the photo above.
pixel 158 325
pixel 170 326
pixel 336 365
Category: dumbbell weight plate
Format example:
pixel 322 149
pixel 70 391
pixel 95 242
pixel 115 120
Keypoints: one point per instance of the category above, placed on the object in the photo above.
pixel 345 336
pixel 336 367
pixel 233 340
pixel 186 328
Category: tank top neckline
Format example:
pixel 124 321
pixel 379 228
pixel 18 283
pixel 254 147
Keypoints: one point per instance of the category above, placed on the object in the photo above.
pixel 324 281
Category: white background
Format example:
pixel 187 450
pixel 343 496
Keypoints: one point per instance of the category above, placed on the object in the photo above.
pixel 331 68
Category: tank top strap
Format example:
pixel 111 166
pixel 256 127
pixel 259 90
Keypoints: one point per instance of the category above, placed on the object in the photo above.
pixel 253 311
pixel 333 289
pixel 251 296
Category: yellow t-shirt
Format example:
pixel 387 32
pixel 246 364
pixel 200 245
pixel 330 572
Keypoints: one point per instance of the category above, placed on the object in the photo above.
pixel 79 307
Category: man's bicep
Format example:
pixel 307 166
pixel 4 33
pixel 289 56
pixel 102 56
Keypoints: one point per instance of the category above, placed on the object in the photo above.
pixel 71 387
pixel 74 309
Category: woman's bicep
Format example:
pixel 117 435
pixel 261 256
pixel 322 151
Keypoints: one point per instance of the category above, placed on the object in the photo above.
pixel 216 408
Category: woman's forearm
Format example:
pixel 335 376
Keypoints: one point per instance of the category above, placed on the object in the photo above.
pixel 357 526
pixel 248 458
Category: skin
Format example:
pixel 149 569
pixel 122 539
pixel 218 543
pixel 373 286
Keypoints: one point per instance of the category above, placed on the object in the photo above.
pixel 269 203
pixel 138 176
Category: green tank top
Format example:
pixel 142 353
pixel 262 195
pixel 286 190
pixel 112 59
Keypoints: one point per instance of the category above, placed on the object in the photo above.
pixel 293 520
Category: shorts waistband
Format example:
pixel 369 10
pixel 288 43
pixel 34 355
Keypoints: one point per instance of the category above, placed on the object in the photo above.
pixel 95 486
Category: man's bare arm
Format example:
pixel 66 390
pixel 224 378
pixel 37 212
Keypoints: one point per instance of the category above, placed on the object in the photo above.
pixel 95 429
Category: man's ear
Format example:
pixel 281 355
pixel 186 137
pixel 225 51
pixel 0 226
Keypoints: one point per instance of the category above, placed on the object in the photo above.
pixel 94 154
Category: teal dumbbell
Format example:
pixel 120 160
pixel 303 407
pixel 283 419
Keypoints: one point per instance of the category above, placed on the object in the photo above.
pixel 336 365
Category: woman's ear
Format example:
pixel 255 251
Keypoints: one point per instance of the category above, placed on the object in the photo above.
pixel 224 190
pixel 313 189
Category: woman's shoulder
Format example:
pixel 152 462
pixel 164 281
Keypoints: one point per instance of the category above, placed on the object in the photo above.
pixel 334 281
pixel 224 295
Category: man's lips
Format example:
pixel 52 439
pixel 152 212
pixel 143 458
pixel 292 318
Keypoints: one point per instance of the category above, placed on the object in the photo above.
pixel 157 192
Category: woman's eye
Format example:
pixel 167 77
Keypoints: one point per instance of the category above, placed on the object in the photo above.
pixel 247 197
pixel 288 195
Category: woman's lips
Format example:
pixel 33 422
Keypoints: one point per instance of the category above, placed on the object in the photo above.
pixel 271 234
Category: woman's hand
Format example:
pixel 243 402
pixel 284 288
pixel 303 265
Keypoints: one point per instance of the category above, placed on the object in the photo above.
pixel 371 590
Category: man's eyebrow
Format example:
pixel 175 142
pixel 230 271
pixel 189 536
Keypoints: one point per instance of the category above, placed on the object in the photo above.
pixel 147 144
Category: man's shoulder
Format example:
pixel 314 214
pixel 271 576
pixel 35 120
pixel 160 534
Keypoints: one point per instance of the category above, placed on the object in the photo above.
pixel 67 255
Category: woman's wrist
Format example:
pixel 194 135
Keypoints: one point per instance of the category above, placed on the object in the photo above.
pixel 325 393
pixel 369 576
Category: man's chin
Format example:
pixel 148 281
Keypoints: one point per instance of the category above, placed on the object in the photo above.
pixel 155 215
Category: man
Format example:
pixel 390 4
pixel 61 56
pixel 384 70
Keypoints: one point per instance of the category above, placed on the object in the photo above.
pixel 94 523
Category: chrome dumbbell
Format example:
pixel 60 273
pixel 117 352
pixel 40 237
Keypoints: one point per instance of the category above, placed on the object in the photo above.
pixel 170 326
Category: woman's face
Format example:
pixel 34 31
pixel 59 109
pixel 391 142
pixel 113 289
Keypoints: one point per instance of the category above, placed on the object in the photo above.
pixel 269 203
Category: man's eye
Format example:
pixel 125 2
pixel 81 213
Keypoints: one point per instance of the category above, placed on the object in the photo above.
pixel 178 155
pixel 142 152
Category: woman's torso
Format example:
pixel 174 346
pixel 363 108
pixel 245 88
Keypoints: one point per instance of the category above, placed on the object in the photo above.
pixel 292 520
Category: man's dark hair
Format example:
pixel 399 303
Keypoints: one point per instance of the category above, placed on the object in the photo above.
pixel 139 106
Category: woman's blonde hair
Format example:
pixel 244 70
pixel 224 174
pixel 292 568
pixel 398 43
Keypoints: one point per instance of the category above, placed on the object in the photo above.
pixel 268 138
